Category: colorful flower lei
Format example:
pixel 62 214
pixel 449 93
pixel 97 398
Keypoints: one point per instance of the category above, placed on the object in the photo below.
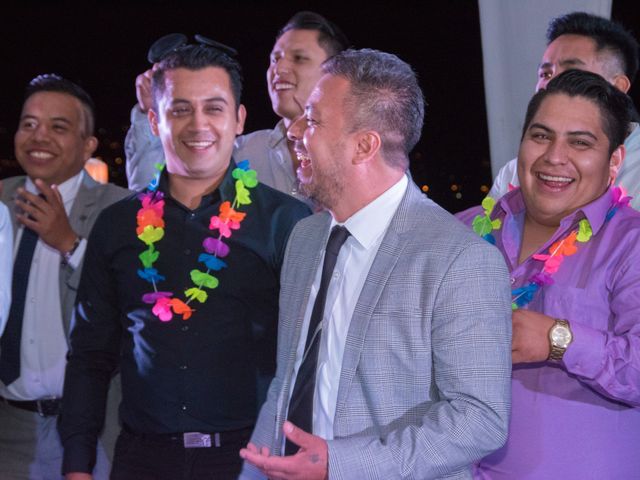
pixel 565 247
pixel 150 230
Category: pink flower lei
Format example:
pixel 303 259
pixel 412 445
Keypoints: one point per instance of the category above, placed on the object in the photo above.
pixel 150 230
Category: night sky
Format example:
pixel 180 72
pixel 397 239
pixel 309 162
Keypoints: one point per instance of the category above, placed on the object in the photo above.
pixel 103 46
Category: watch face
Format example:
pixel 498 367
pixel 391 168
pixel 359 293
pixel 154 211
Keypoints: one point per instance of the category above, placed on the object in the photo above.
pixel 561 336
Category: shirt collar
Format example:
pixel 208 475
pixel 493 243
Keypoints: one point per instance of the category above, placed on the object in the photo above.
pixel 226 191
pixel 595 212
pixel 68 189
pixel 278 134
pixel 370 222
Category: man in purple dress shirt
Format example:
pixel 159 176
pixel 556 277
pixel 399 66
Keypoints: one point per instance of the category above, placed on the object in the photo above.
pixel 573 249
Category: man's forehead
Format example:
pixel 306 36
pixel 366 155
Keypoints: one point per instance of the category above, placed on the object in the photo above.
pixel 582 114
pixel 570 45
pixel 210 79
pixel 297 38
pixel 57 104
pixel 329 87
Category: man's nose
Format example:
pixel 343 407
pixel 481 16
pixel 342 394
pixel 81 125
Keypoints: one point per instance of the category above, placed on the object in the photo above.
pixel 297 128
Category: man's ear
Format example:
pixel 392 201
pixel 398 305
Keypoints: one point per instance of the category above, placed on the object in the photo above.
pixel 615 162
pixel 622 83
pixel 241 116
pixel 368 146
pixel 153 121
pixel 90 146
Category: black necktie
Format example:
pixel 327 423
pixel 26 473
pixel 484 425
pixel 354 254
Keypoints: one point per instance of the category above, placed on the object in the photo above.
pixel 10 342
pixel 301 403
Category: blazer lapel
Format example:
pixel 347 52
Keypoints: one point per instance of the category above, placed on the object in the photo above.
pixel 11 185
pixel 386 258
pixel 307 248
pixel 83 204
pixel 82 207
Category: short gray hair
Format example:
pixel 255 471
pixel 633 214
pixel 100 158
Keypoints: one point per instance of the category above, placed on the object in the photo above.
pixel 384 96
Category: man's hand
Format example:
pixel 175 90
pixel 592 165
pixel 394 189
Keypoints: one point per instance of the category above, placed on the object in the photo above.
pixel 309 463
pixel 78 476
pixel 46 216
pixel 530 340
pixel 143 90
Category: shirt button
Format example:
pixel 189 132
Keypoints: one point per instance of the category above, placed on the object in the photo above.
pixel 187 251
pixel 185 328
pixel 336 274
pixel 184 407
pixel 192 215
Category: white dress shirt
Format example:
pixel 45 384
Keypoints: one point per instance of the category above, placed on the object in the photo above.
pixel 6 264
pixel 44 347
pixel 367 228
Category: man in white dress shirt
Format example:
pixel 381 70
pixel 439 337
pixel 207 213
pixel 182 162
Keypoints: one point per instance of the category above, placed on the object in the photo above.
pixel 393 354
pixel 52 210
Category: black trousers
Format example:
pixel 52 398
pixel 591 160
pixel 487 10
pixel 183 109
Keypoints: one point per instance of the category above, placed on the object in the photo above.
pixel 164 457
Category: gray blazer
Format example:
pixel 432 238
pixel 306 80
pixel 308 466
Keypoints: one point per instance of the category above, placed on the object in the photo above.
pixel 425 383
pixel 91 199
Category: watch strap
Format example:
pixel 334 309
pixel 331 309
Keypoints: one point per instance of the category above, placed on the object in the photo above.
pixel 66 256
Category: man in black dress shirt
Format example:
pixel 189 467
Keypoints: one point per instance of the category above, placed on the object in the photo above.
pixel 191 322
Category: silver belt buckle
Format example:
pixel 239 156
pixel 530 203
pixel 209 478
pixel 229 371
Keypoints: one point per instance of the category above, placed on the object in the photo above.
pixel 196 440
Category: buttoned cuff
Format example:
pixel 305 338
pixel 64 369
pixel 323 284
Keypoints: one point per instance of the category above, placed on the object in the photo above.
pixel 585 356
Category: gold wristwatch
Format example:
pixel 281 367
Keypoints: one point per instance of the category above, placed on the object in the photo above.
pixel 560 337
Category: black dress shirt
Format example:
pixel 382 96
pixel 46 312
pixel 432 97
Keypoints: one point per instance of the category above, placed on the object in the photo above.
pixel 209 373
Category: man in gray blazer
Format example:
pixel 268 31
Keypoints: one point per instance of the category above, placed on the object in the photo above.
pixel 410 342
pixel 53 210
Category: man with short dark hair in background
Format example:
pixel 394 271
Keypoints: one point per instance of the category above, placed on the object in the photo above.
pixel 588 42
pixel 53 210
pixel 301 46
pixel 180 291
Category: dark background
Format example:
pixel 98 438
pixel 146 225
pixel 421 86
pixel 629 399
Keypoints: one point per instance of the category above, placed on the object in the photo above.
pixel 103 46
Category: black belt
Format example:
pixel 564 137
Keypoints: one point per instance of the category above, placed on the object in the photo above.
pixel 45 407
pixel 195 439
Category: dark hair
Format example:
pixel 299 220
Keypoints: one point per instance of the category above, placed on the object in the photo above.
pixel 51 82
pixel 197 57
pixel 384 96
pixel 330 37
pixel 608 35
pixel 614 106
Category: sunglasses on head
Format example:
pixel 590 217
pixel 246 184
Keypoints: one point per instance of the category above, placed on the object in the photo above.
pixel 171 42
